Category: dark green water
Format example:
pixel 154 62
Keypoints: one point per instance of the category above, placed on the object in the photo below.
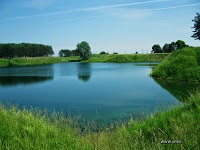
pixel 114 91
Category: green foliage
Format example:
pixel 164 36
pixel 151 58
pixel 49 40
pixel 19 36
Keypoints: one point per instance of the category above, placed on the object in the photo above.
pixel 169 48
pixel 166 48
pixel 181 65
pixel 103 52
pixel 84 50
pixel 68 53
pixel 180 44
pixel 12 50
pixel 172 47
pixel 33 129
pixel 156 48
pixel 196 27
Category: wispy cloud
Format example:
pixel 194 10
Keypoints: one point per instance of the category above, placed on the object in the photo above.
pixel 48 2
pixel 122 5
pixel 174 7
pixel 125 13
pixel 106 10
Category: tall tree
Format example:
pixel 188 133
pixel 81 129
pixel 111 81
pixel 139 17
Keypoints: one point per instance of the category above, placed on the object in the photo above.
pixel 166 49
pixel 84 50
pixel 180 44
pixel 196 27
pixel 156 48
pixel 11 50
pixel 172 47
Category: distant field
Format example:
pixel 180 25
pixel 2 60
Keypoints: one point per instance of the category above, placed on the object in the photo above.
pixel 123 58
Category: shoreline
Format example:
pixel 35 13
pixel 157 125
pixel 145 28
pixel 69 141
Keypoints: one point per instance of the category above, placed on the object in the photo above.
pixel 105 58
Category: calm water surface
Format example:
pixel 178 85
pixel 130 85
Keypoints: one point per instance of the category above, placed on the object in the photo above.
pixel 115 91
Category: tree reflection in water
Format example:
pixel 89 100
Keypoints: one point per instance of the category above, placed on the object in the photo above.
pixel 22 80
pixel 84 71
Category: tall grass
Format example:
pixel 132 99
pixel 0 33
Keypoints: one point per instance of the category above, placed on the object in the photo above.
pixel 181 65
pixel 30 129
pixel 33 129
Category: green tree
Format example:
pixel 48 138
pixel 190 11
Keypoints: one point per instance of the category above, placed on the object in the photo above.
pixel 172 47
pixel 180 44
pixel 166 49
pixel 84 50
pixel 156 48
pixel 102 52
pixel 196 27
pixel 11 50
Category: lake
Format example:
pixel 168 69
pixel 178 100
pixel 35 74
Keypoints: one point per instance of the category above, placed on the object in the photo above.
pixel 109 91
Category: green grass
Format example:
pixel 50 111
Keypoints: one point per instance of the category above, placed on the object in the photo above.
pixel 35 61
pixel 23 129
pixel 31 129
pixel 124 58
pixel 32 61
pixel 183 65
pixel 4 62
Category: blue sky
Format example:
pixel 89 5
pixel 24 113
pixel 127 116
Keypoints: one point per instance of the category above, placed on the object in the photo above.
pixel 123 26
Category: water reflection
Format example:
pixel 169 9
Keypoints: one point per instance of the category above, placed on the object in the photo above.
pixel 22 80
pixel 25 75
pixel 84 71
pixel 43 70
pixel 180 90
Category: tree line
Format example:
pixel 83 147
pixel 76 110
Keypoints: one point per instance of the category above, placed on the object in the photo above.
pixel 13 50
pixel 169 47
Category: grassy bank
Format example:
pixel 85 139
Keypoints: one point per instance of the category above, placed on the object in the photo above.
pixel 31 61
pixel 23 129
pixel 123 58
pixel 181 65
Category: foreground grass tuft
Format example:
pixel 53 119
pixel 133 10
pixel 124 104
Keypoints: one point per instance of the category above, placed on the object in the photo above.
pixel 23 129
pixel 30 129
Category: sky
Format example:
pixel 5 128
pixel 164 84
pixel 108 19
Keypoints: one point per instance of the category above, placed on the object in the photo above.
pixel 123 26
